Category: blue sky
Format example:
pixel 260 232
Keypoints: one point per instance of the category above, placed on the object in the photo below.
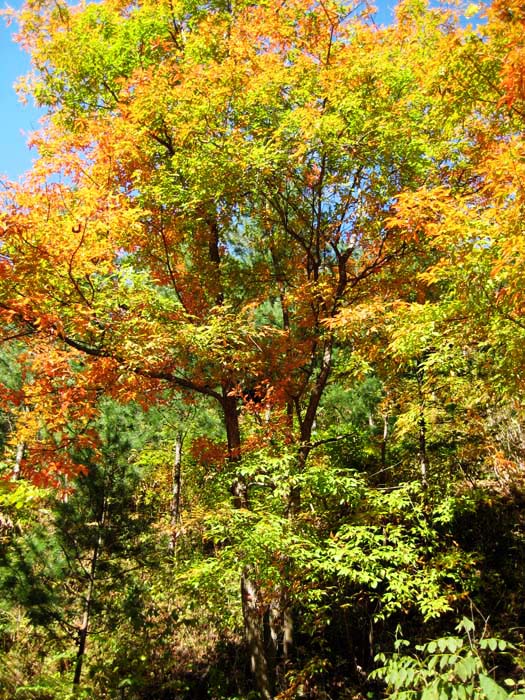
pixel 17 120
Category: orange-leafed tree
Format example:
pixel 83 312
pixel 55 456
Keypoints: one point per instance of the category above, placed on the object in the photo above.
pixel 215 184
pixel 469 322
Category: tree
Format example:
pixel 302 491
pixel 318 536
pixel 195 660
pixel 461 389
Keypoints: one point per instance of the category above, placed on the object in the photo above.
pixel 471 227
pixel 63 566
pixel 216 185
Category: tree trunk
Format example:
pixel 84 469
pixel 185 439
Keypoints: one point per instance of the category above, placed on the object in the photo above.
pixel 256 617
pixel 258 635
pixel 384 441
pixel 287 631
pixel 176 485
pixel 84 627
pixel 17 469
pixel 423 456
pixel 233 435
pixel 307 423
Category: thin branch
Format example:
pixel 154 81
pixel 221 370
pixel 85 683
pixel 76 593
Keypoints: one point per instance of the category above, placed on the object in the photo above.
pixel 318 443
pixel 142 372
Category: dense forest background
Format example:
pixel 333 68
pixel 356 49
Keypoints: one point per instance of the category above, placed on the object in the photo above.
pixel 262 354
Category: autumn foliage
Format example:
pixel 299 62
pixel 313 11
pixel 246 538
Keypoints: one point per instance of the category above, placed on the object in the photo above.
pixel 307 227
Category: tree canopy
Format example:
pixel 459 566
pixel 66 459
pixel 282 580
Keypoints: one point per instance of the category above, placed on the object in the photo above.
pixel 279 248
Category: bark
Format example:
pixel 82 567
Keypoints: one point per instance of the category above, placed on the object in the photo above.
pixel 84 627
pixel 258 635
pixel 256 616
pixel 177 481
pixel 176 486
pixel 231 422
pixel 288 630
pixel 384 441
pixel 215 259
pixel 423 455
pixel 233 435
pixel 307 423
pixel 254 622
pixel 272 631
pixel 20 449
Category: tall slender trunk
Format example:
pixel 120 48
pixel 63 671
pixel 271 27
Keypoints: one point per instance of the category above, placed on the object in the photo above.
pixel 288 629
pixel 233 435
pixel 84 627
pixel 384 440
pixel 20 452
pixel 250 590
pixel 257 631
pixel 176 489
pixel 255 610
pixel 19 456
pixel 423 454
pixel 307 422
pixel 307 426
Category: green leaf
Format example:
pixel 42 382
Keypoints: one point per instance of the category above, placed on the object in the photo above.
pixel 442 644
pixel 461 693
pixel 430 693
pixel 466 625
pixel 469 666
pixel 463 669
pixel 491 689
pixel 444 661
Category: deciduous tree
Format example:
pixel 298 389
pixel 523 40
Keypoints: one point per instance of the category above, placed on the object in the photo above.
pixel 217 185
